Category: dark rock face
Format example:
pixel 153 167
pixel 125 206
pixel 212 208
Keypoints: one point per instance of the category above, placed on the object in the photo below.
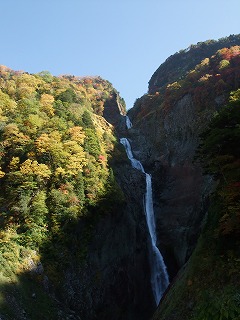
pixel 166 144
pixel 114 282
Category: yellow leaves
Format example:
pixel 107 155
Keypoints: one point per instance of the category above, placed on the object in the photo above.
pixel 11 129
pixel 235 96
pixel 60 172
pixel 174 86
pixel 27 85
pixel 46 142
pixel 12 135
pixel 77 134
pixel 46 99
pixel 2 174
pixel 34 122
pixel 46 102
pixel 32 167
pixel 223 64
pixel 203 65
pixel 42 143
pixel 75 164
pixel 73 147
pixel 25 91
pixel 2 117
pixel 55 136
pixel 14 164
pixel 68 156
pixel 205 77
pixel 6 103
pixel 76 158
pixel 10 88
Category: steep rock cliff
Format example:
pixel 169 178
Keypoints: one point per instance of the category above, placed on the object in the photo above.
pixel 166 144
pixel 165 136
pixel 167 123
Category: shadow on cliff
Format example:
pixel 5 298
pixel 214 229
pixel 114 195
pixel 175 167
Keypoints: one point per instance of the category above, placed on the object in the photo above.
pixel 94 268
pixel 24 297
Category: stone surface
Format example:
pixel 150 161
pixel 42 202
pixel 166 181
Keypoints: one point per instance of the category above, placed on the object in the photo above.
pixel 166 144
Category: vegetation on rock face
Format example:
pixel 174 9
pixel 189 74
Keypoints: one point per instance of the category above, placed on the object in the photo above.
pixel 205 78
pixel 213 78
pixel 178 65
pixel 54 173
pixel 208 287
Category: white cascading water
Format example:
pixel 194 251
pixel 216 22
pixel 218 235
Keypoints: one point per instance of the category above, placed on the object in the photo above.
pixel 159 275
pixel 128 122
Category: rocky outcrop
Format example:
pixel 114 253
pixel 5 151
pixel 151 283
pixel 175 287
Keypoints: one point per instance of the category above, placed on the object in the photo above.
pixel 114 112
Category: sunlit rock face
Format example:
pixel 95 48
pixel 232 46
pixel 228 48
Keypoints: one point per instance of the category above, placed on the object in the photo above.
pixel 114 112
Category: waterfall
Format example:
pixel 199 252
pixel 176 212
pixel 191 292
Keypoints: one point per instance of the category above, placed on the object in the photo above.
pixel 128 122
pixel 159 275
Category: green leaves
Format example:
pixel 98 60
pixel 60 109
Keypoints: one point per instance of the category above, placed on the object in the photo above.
pixel 53 157
pixel 221 157
pixel 218 306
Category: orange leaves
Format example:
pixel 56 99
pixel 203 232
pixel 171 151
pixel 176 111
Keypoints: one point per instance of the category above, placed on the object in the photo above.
pixel 101 158
pixel 229 53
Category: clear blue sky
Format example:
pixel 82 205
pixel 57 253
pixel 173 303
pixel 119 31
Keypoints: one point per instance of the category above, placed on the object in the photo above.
pixel 123 41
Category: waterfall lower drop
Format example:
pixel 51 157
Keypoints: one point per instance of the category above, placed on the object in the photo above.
pixel 159 275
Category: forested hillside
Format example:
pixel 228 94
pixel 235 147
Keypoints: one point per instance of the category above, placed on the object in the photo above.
pixel 55 147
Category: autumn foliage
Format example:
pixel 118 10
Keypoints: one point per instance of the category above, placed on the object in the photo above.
pixel 54 152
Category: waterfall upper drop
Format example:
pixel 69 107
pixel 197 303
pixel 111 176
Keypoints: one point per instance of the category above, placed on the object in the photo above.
pixel 159 275
pixel 128 122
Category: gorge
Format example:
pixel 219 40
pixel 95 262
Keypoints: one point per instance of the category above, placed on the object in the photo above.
pixel 89 232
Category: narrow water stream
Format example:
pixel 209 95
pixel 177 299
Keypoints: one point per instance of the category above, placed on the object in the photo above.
pixel 159 275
